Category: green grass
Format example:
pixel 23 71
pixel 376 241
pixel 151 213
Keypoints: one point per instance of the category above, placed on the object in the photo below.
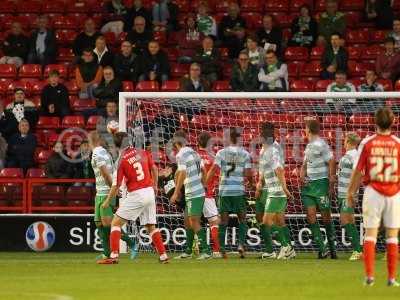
pixel 66 276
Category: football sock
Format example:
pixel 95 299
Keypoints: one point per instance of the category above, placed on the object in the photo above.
pixel 104 233
pixel 115 236
pixel 287 234
pixel 316 233
pixel 214 238
pixel 351 231
pixel 204 248
pixel 369 256
pixel 330 234
pixel 242 233
pixel 282 237
pixel 266 233
pixel 189 240
pixel 158 242
pixel 221 235
pixel 392 254
pixel 126 238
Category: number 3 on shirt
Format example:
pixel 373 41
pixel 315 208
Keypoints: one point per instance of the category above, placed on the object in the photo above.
pixel 139 171
pixel 384 169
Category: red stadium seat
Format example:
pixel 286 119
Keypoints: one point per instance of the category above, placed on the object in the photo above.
pixel 23 84
pixel 48 123
pixel 352 5
pixel 296 53
pixel 377 36
pixel 30 7
pixel 147 86
pixel 253 19
pixel 356 69
pixel 35 173
pixel 353 19
pixel 387 84
pixel 371 52
pixel 62 69
pixel 66 22
pixel 321 85
pixel 80 105
pixel 7 7
pixel 73 121
pixel 316 53
pixel 48 195
pixel 221 6
pixel 65 55
pixel 354 52
pixel 334 120
pixel 77 7
pixel 293 70
pixel 296 4
pixel 359 36
pixel 277 5
pixel 251 6
pixel 320 5
pixel 283 19
pixel 12 173
pixel 79 196
pixel 179 70
pixel 221 86
pixel 301 86
pixel 170 86
pixel 92 122
pixel 65 36
pixel 8 71
pixel 53 7
pixel 312 69
pixel 37 86
pixel 173 54
pixel 361 121
pixel 127 86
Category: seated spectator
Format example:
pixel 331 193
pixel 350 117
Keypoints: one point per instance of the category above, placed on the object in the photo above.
pixel 274 74
pixel 244 75
pixel 82 169
pixel 340 85
pixel 137 10
pixel 154 64
pixel 334 58
pixel 304 29
pixel 232 30
pixel 371 85
pixel 194 82
pixel 387 64
pixel 381 11
pixel 208 58
pixel 165 15
pixel 21 148
pixel 270 36
pixel 42 48
pixel 15 47
pixel 54 100
pixel 108 88
pixel 88 74
pixel 395 34
pixel 126 63
pixel 139 36
pixel 110 114
pixel 23 108
pixel 86 39
pixel 205 22
pixel 3 151
pixel 57 166
pixel 102 55
pixel 331 21
pixel 8 123
pixel 189 40
pixel 114 21
pixel 256 54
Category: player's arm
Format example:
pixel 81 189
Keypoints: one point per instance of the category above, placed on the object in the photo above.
pixel 249 175
pixel 106 175
pixel 154 176
pixel 332 170
pixel 260 185
pixel 280 173
pixel 211 173
pixel 303 171
pixel 114 188
pixel 354 185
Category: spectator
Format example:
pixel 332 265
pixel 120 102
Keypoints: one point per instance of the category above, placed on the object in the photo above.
pixel 244 75
pixel 21 148
pixel 139 36
pixel 8 123
pixel 3 151
pixel 205 22
pixel 110 114
pixel 304 29
pixel 43 48
pixel 126 63
pixel 54 100
pixel 86 39
pixel 381 12
pixel 387 64
pixel 22 108
pixel 232 30
pixel 117 14
pixel 371 85
pixel 136 11
pixel 102 55
pixel 82 169
pixel 395 34
pixel 194 82
pixel 208 58
pixel 57 166
pixel 340 85
pixel 189 40
pixel 15 47
pixel 165 15
pixel 331 21
pixel 334 58
pixel 274 75
pixel 256 54
pixel 107 89
pixel 88 74
pixel 270 36
pixel 155 65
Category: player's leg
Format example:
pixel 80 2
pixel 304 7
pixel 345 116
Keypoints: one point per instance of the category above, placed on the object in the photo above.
pixel 240 210
pixel 267 235
pixel 210 212
pixel 348 223
pixel 260 209
pixel 224 209
pixel 104 217
pixel 330 230
pixel 157 241
pixel 189 238
pixel 280 219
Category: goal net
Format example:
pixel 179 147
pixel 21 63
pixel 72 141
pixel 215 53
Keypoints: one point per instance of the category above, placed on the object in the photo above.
pixel 152 118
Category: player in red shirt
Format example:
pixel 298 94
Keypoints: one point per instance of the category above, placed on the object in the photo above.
pixel 378 161
pixel 139 173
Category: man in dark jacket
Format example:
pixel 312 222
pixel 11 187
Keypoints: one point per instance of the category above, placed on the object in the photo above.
pixel 21 148
pixel 83 168
pixel 208 57
pixel 194 82
pixel 54 99
pixel 102 54
pixel 270 36
pixel 126 63
pixel 43 48
pixel 15 46
pixel 22 108
pixel 8 123
pixel 244 75
pixel 154 64
pixel 137 10
pixel 139 36
pixel 107 89
pixel 334 58
pixel 57 166
pixel 86 39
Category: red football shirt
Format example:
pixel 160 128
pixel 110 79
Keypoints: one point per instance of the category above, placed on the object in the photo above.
pixel 135 167
pixel 379 162
pixel 208 161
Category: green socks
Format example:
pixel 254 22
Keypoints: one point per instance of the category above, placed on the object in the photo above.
pixel 266 234
pixel 204 248
pixel 330 234
pixel 126 238
pixel 242 233
pixel 316 233
pixel 287 234
pixel 189 240
pixel 221 236
pixel 351 231
pixel 282 237
pixel 104 233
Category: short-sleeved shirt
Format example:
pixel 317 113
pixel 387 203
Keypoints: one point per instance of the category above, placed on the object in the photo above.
pixel 100 158
pixel 317 155
pixel 346 166
pixel 232 161
pixel 189 161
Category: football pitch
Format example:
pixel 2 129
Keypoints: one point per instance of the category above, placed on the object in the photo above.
pixel 66 276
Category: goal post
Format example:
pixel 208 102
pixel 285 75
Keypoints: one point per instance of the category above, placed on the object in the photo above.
pixel 151 118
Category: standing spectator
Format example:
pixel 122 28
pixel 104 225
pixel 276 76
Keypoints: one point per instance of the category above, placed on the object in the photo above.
pixel 23 108
pixel 83 168
pixel 208 58
pixel 86 39
pixel 340 85
pixel 137 10
pixel 103 56
pixel 331 21
pixel 155 65
pixel 114 21
pixel 387 64
pixel 15 47
pixel 270 36
pixel 194 82
pixel 108 88
pixel 274 75
pixel 88 74
pixel 165 15
pixel 8 122
pixel 205 22
pixel 3 151
pixel 256 54
pixel 244 75
pixel 21 148
pixel 54 100
pixel 304 29
pixel 334 58
pixel 371 85
pixel 126 63
pixel 395 34
pixel 381 12
pixel 139 36
pixel 43 48
pixel 232 30
pixel 189 40
pixel 57 167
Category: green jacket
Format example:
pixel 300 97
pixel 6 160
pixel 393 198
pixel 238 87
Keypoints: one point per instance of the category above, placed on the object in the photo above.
pixel 244 81
pixel 330 24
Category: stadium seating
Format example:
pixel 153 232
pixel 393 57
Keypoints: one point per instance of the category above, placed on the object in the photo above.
pixel 35 173
pixel 8 71
pixel 48 123
pixel 12 172
pixel 170 86
pixel 79 196
pixel 92 122
pixel 147 86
